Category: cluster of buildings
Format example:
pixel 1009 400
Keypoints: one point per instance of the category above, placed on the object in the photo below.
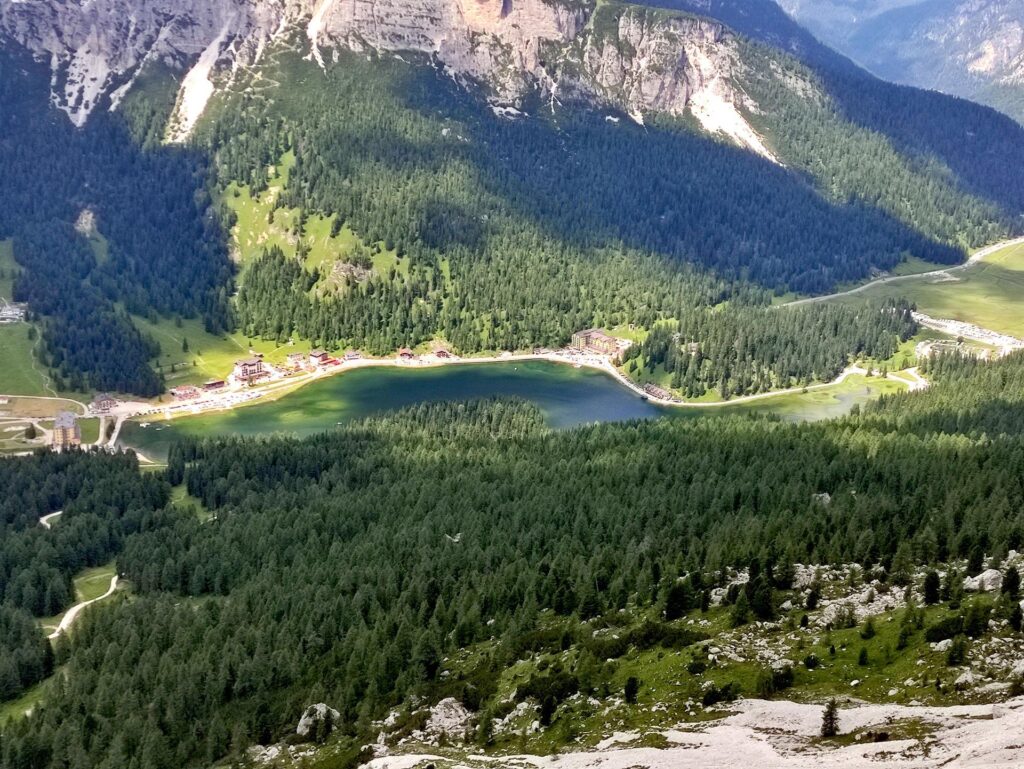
pixel 251 370
pixel 11 313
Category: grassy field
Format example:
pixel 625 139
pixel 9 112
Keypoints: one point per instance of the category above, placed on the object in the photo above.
pixel 989 294
pixel 812 405
pixel 18 376
pixel 39 408
pixel 208 356
pixel 90 430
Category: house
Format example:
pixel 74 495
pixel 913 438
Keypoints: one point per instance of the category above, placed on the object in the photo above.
pixel 317 357
pixel 405 354
pixel 249 370
pixel 214 384
pixel 353 355
pixel 184 393
pixel 442 353
pixel 66 431
pixel 297 360
pixel 594 340
pixel 102 403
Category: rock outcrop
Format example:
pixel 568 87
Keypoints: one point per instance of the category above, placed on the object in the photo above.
pixel 633 58
pixel 316 715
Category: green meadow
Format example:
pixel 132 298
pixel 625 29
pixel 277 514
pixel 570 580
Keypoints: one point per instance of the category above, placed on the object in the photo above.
pixel 19 374
pixel 989 293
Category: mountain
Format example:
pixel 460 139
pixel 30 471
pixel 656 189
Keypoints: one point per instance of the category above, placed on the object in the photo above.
pixel 629 57
pixel 971 48
pixel 726 154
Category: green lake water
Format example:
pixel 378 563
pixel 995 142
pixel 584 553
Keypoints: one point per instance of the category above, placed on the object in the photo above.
pixel 567 396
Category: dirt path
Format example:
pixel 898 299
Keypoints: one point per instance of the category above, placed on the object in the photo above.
pixel 75 610
pixel 45 520
pixel 947 271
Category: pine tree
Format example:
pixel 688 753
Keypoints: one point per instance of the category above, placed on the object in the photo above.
pixel 830 719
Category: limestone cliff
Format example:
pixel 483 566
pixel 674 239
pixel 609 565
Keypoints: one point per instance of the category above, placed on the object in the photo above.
pixel 631 57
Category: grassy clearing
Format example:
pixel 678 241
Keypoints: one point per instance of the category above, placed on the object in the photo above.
pixel 260 225
pixel 8 268
pixel 39 408
pixel 812 405
pixel 208 356
pixel 989 294
pixel 23 705
pixel 185 502
pixel 90 430
pixel 19 373
pixel 92 583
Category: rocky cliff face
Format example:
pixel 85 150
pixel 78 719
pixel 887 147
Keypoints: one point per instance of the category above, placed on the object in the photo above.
pixel 631 57
pixel 96 46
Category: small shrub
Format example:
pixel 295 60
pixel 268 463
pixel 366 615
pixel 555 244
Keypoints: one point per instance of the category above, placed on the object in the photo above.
pixel 632 689
pixel 713 695
pixel 957 651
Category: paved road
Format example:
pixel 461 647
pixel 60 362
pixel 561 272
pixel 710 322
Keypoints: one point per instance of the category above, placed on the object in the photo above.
pixel 948 271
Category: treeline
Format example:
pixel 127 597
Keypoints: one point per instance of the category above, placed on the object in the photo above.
pixel 977 398
pixel 739 351
pixel 165 252
pixel 88 344
pixel 343 568
pixel 26 657
pixel 104 499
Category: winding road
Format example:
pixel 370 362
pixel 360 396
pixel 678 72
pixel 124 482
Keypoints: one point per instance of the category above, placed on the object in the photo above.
pixel 45 520
pixel 976 257
pixel 75 610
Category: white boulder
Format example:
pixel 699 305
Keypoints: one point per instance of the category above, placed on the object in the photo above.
pixel 313 714
pixel 990 579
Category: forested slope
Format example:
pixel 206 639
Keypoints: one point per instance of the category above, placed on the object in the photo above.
pixel 342 568
pixel 166 254
pixel 503 251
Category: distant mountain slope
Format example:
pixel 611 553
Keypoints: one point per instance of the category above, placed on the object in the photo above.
pixel 971 48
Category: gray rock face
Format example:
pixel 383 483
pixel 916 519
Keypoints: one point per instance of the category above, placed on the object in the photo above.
pixel 629 57
pixel 95 46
